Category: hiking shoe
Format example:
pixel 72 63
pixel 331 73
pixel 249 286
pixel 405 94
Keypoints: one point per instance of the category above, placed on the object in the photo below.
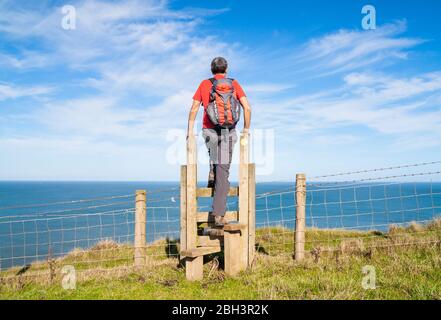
pixel 210 180
pixel 219 221
pixel 216 232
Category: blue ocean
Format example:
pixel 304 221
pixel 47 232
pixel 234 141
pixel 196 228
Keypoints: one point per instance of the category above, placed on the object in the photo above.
pixel 41 219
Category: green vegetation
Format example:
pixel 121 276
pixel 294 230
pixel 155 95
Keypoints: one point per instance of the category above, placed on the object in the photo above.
pixel 407 262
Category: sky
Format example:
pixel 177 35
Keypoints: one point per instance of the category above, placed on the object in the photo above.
pixel 108 98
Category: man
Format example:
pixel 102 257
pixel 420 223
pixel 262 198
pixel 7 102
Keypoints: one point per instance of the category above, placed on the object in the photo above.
pixel 222 98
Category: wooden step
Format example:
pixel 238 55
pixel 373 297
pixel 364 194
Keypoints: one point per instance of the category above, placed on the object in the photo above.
pixel 204 216
pixel 200 251
pixel 209 192
pixel 216 232
pixel 214 239
pixel 234 227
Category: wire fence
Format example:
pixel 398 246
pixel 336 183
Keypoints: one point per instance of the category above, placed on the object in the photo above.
pixel 42 232
pixel 368 210
pixel 87 232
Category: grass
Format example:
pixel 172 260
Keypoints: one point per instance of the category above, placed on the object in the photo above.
pixel 407 263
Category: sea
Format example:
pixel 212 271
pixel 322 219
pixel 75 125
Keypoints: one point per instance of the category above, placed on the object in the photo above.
pixel 49 219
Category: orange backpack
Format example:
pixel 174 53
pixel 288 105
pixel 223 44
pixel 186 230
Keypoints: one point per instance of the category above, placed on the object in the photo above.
pixel 223 108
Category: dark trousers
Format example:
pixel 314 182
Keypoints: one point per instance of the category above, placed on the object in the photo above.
pixel 220 144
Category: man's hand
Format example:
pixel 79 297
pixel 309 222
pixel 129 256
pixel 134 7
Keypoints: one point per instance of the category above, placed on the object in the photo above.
pixel 246 113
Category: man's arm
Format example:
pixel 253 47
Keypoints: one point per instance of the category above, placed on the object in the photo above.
pixel 246 113
pixel 192 116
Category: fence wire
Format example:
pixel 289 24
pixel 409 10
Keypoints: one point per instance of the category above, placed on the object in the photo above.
pixel 364 211
pixel 88 232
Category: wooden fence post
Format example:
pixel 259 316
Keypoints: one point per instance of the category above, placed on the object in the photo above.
pixel 183 202
pixel 251 212
pixel 243 194
pixel 300 199
pixel 140 227
pixel 193 266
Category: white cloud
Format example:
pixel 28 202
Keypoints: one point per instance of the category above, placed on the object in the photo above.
pixel 144 61
pixel 386 105
pixel 348 50
pixel 138 47
pixel 267 88
pixel 334 139
pixel 13 92
pixel 108 118
pixel 76 158
pixel 27 60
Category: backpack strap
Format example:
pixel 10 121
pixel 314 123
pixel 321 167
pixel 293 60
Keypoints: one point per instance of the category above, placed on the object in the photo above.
pixel 213 83
pixel 212 80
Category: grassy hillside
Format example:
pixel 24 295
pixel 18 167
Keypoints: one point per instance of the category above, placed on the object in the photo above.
pixel 407 263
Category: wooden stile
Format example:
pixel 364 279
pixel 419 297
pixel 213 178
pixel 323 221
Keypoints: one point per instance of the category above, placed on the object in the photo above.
pixel 237 238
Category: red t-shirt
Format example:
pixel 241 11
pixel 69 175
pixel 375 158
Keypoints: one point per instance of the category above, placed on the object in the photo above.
pixel 203 95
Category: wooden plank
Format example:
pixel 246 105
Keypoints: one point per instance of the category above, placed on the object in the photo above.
pixel 204 216
pixel 243 193
pixel 209 192
pixel 251 212
pixel 194 270
pixel 300 194
pixel 211 241
pixel 200 251
pixel 235 227
pixel 183 203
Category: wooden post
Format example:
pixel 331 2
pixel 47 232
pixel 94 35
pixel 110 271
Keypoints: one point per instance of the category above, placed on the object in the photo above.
pixel 251 212
pixel 191 180
pixel 300 198
pixel 243 194
pixel 233 249
pixel 235 242
pixel 140 227
pixel 193 266
pixel 183 203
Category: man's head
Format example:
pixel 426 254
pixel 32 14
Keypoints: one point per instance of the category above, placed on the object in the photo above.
pixel 219 65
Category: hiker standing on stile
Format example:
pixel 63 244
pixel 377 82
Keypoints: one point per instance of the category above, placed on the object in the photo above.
pixel 222 99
